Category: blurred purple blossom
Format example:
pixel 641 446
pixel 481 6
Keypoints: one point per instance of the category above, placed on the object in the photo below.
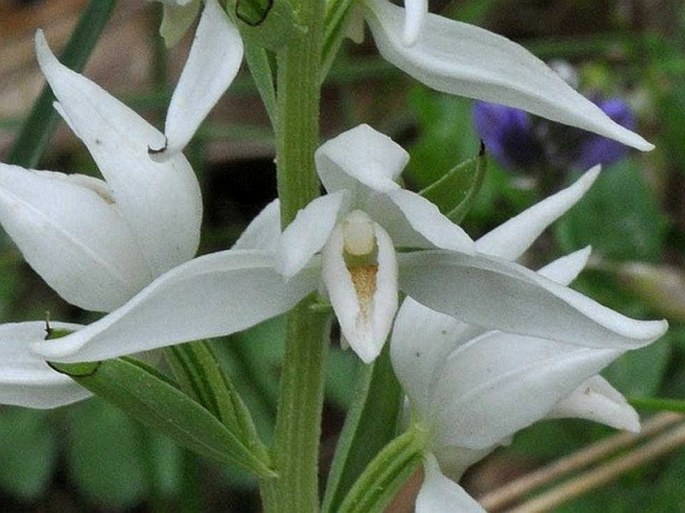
pixel 521 142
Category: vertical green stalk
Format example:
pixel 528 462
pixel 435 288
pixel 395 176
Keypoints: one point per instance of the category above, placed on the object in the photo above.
pixel 296 439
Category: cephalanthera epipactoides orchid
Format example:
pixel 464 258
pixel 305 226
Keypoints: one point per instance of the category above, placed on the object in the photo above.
pixel 346 241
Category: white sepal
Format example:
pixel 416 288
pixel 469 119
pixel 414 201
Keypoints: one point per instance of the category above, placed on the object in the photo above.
pixel 209 296
pixel 565 269
pixel 263 231
pixel 425 218
pixel 438 494
pixel 510 239
pixel 462 59
pixel 73 236
pixel 360 156
pixel 25 378
pixel 212 64
pixel 596 400
pixel 496 294
pixel 308 232
pixel 161 203
pixel 415 13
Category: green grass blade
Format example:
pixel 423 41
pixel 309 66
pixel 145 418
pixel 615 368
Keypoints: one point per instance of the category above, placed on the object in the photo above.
pixel 36 131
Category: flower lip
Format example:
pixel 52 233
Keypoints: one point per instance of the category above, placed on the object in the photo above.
pixel 358 234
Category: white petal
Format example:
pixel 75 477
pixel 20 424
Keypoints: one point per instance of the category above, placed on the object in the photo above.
pixel 264 230
pixel 421 341
pixel 72 237
pixel 209 296
pixel 416 11
pixel 160 202
pixel 426 219
pixel 567 268
pixel 438 494
pixel 509 240
pixel 360 156
pixel 364 328
pixel 497 384
pixel 462 59
pixel 212 65
pixel 25 379
pixel 308 232
pixel 501 295
pixel 598 401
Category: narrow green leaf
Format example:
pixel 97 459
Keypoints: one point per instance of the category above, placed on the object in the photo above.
pixel 385 475
pixel 455 192
pixel 370 424
pixel 102 436
pixel 41 122
pixel 150 397
pixel 335 24
pixel 201 376
pixel 658 404
pixel 260 68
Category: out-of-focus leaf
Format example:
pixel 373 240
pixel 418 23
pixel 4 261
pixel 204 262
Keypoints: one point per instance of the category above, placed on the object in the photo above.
pixel 668 491
pixel 446 135
pixel 639 373
pixel 28 452
pixel 619 217
pixel 455 192
pixel 341 377
pixel 105 456
pixel 253 359
pixel 671 112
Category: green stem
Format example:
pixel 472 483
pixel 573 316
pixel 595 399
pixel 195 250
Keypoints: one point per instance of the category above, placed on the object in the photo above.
pixel 298 113
pixel 298 423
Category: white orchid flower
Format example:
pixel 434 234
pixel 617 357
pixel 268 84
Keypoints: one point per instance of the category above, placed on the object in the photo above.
pixel 347 240
pixel 96 243
pixel 359 224
pixel 212 64
pixel 472 388
pixel 466 60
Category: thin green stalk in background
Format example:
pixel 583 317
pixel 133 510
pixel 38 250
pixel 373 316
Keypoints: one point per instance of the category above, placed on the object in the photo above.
pixel 36 131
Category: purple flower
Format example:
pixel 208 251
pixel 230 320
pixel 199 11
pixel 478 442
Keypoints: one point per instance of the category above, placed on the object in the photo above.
pixel 596 149
pixel 508 134
pixel 520 142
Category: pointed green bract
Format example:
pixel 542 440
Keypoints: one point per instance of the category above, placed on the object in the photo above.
pixel 267 23
pixel 201 376
pixel 154 400
pixel 455 192
pixel 370 424
pixel 385 475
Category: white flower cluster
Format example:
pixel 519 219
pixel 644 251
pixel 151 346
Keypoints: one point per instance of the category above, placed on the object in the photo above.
pixel 482 345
